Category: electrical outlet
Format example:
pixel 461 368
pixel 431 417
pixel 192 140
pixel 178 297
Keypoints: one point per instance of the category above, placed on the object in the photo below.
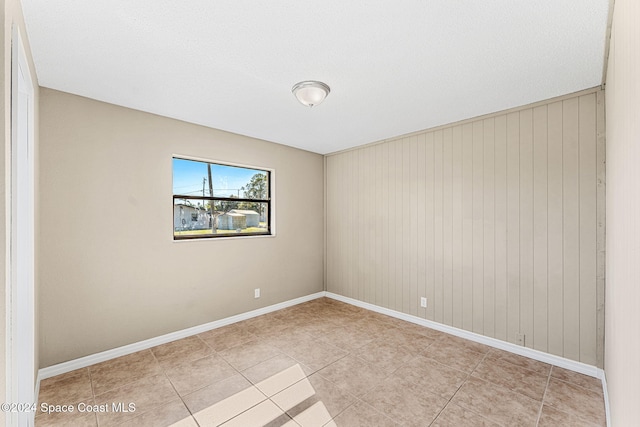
pixel 520 339
pixel 423 302
pixel 256 293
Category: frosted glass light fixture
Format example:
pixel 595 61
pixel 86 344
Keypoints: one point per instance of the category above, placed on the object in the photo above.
pixel 310 92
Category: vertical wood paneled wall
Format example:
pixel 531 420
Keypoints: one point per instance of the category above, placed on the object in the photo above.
pixel 498 221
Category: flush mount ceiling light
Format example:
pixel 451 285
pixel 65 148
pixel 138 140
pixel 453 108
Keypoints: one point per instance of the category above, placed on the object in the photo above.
pixel 310 92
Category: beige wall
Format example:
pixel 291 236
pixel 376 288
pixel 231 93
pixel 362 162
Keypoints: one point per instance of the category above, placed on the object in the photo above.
pixel 494 220
pixel 623 216
pixel 111 273
pixel 11 13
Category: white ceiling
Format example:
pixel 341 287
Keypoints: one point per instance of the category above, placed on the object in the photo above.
pixel 393 67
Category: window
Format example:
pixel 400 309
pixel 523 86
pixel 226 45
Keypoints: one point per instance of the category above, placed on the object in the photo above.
pixel 219 200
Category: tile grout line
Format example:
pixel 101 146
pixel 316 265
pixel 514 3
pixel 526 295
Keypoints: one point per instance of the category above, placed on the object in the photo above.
pixel 194 391
pixel 257 404
pixel 458 389
pixel 350 352
pixel 549 376
pixel 166 376
pixel 240 372
pixel 544 395
pixel 245 377
pixel 232 367
pixel 284 353
pixel 164 372
pixel 573 384
pixel 130 380
pixel 577 385
pixel 93 394
pixel 357 399
pixel 421 354
pixel 181 399
pixel 306 376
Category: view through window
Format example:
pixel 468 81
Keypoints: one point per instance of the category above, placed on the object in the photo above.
pixel 219 200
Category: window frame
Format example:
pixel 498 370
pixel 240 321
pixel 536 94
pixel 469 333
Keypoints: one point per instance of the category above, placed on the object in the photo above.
pixel 269 201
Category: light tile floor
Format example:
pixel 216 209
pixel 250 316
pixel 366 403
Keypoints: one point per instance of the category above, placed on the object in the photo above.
pixel 322 363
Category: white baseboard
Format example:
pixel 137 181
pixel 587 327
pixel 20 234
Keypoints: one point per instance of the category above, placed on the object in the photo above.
pixel 551 359
pixel 562 362
pixel 572 365
pixel 103 356
pixel 605 393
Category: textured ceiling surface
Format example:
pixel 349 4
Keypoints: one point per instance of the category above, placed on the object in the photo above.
pixel 393 67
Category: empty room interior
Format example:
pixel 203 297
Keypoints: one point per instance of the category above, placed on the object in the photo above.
pixel 321 214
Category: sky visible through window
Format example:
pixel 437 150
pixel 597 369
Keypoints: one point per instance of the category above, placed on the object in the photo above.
pixel 189 176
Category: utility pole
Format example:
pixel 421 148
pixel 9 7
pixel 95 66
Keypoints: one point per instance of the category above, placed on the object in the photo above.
pixel 214 218
pixel 203 181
